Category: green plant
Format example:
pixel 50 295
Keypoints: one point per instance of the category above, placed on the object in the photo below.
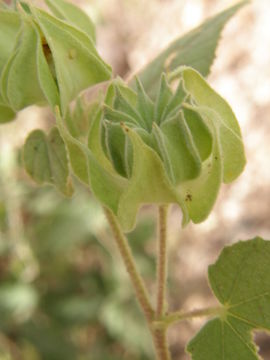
pixel 165 136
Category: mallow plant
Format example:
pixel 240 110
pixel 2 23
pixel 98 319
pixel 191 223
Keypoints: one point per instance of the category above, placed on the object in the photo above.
pixel 162 137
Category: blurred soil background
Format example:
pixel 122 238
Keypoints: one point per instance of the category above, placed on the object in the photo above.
pixel 64 294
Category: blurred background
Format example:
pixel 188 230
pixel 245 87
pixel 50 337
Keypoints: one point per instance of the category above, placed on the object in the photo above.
pixel 63 291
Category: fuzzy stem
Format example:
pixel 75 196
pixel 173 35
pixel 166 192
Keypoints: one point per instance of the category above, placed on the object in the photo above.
pixel 178 316
pixel 161 334
pixel 162 261
pixel 161 344
pixel 130 265
pixel 158 335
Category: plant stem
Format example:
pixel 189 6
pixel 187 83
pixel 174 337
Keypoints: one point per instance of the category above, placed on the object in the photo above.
pixel 161 344
pixel 161 334
pixel 178 316
pixel 162 261
pixel 130 265
pixel 158 335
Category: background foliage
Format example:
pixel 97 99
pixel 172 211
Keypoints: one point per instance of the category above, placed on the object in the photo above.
pixel 62 298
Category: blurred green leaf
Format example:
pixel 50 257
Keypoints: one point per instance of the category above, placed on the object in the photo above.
pixel 137 338
pixel 52 343
pixel 196 49
pixel 17 302
pixel 77 275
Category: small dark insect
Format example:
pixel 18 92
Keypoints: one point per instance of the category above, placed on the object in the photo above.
pixel 188 197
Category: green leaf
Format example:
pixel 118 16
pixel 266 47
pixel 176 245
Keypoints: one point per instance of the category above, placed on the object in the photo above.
pixel 196 49
pixel 240 281
pixel 10 23
pixel 77 63
pixel 17 88
pixel 6 113
pixel 46 78
pixel 45 160
pixel 73 14
pixel 148 184
pixel 4 77
pixel 230 135
pixel 26 78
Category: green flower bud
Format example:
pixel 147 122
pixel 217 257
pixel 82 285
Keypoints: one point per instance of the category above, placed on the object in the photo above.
pixel 188 137
pixel 178 148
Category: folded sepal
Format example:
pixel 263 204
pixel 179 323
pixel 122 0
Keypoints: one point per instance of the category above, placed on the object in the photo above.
pixel 229 131
pixel 76 60
pixel 67 11
pixel 45 160
pixel 26 77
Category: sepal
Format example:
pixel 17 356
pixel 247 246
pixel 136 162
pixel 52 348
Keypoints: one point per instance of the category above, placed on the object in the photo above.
pixel 45 160
pixel 77 63
pixel 74 15
pixel 229 131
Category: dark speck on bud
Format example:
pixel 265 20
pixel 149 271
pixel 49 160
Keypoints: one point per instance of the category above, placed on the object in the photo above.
pixel 72 53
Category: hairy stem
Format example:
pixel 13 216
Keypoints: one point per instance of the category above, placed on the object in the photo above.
pixel 161 344
pixel 130 265
pixel 161 334
pixel 178 316
pixel 162 261
pixel 158 335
